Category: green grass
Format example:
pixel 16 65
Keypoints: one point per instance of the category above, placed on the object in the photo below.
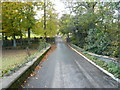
pixel 12 59
pixel 109 66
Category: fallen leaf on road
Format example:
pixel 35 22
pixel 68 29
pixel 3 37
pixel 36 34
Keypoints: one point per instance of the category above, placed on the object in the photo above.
pixel 33 74
pixel 53 47
pixel 38 67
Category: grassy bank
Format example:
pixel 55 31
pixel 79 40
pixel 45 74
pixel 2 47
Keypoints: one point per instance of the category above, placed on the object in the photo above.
pixel 109 66
pixel 14 59
pixel 11 59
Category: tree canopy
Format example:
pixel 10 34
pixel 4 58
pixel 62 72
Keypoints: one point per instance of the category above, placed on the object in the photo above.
pixel 18 19
pixel 93 26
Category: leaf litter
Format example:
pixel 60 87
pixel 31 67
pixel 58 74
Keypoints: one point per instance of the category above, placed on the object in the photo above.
pixel 39 66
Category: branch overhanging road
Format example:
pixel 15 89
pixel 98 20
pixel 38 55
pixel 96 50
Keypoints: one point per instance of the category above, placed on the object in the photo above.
pixel 64 68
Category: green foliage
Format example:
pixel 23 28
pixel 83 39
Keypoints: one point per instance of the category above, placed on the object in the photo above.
pixel 94 26
pixel 20 62
pixel 15 60
pixel 109 66
pixel 42 44
pixel 18 18
pixel 51 19
pixel 114 69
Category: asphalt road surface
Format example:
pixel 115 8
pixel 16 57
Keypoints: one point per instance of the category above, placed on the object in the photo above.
pixel 64 68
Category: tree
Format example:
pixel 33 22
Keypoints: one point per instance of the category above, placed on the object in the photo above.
pixel 94 26
pixel 48 25
pixel 17 18
pixel 11 17
pixel 29 20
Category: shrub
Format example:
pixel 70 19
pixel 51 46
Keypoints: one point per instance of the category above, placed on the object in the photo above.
pixel 111 64
pixel 42 44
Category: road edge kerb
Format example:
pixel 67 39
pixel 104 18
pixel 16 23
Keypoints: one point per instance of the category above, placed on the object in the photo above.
pixel 10 81
pixel 103 70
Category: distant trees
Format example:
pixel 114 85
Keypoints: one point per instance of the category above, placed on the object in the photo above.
pixel 49 22
pixel 94 26
pixel 18 18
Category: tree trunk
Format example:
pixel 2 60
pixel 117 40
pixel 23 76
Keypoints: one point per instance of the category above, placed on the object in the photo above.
pixel 45 18
pixel 2 39
pixel 21 39
pixel 28 35
pixel 14 41
pixel 6 38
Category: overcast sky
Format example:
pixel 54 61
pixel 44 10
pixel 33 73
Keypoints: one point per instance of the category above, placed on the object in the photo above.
pixel 59 7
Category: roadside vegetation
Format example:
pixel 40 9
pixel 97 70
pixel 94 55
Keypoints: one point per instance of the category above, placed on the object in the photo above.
pixel 109 66
pixel 12 60
pixel 20 19
pixel 24 32
pixel 93 26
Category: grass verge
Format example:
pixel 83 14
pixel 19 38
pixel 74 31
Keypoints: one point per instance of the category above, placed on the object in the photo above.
pixel 14 59
pixel 109 66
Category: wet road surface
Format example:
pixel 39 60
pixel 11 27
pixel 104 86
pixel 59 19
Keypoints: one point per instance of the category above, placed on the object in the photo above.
pixel 64 68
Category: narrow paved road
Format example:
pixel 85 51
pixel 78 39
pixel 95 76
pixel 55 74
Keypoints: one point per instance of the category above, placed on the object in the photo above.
pixel 64 68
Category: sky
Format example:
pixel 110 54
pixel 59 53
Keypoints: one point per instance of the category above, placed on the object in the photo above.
pixel 58 6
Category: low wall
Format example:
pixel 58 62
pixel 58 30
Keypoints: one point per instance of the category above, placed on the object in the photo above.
pixel 17 78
